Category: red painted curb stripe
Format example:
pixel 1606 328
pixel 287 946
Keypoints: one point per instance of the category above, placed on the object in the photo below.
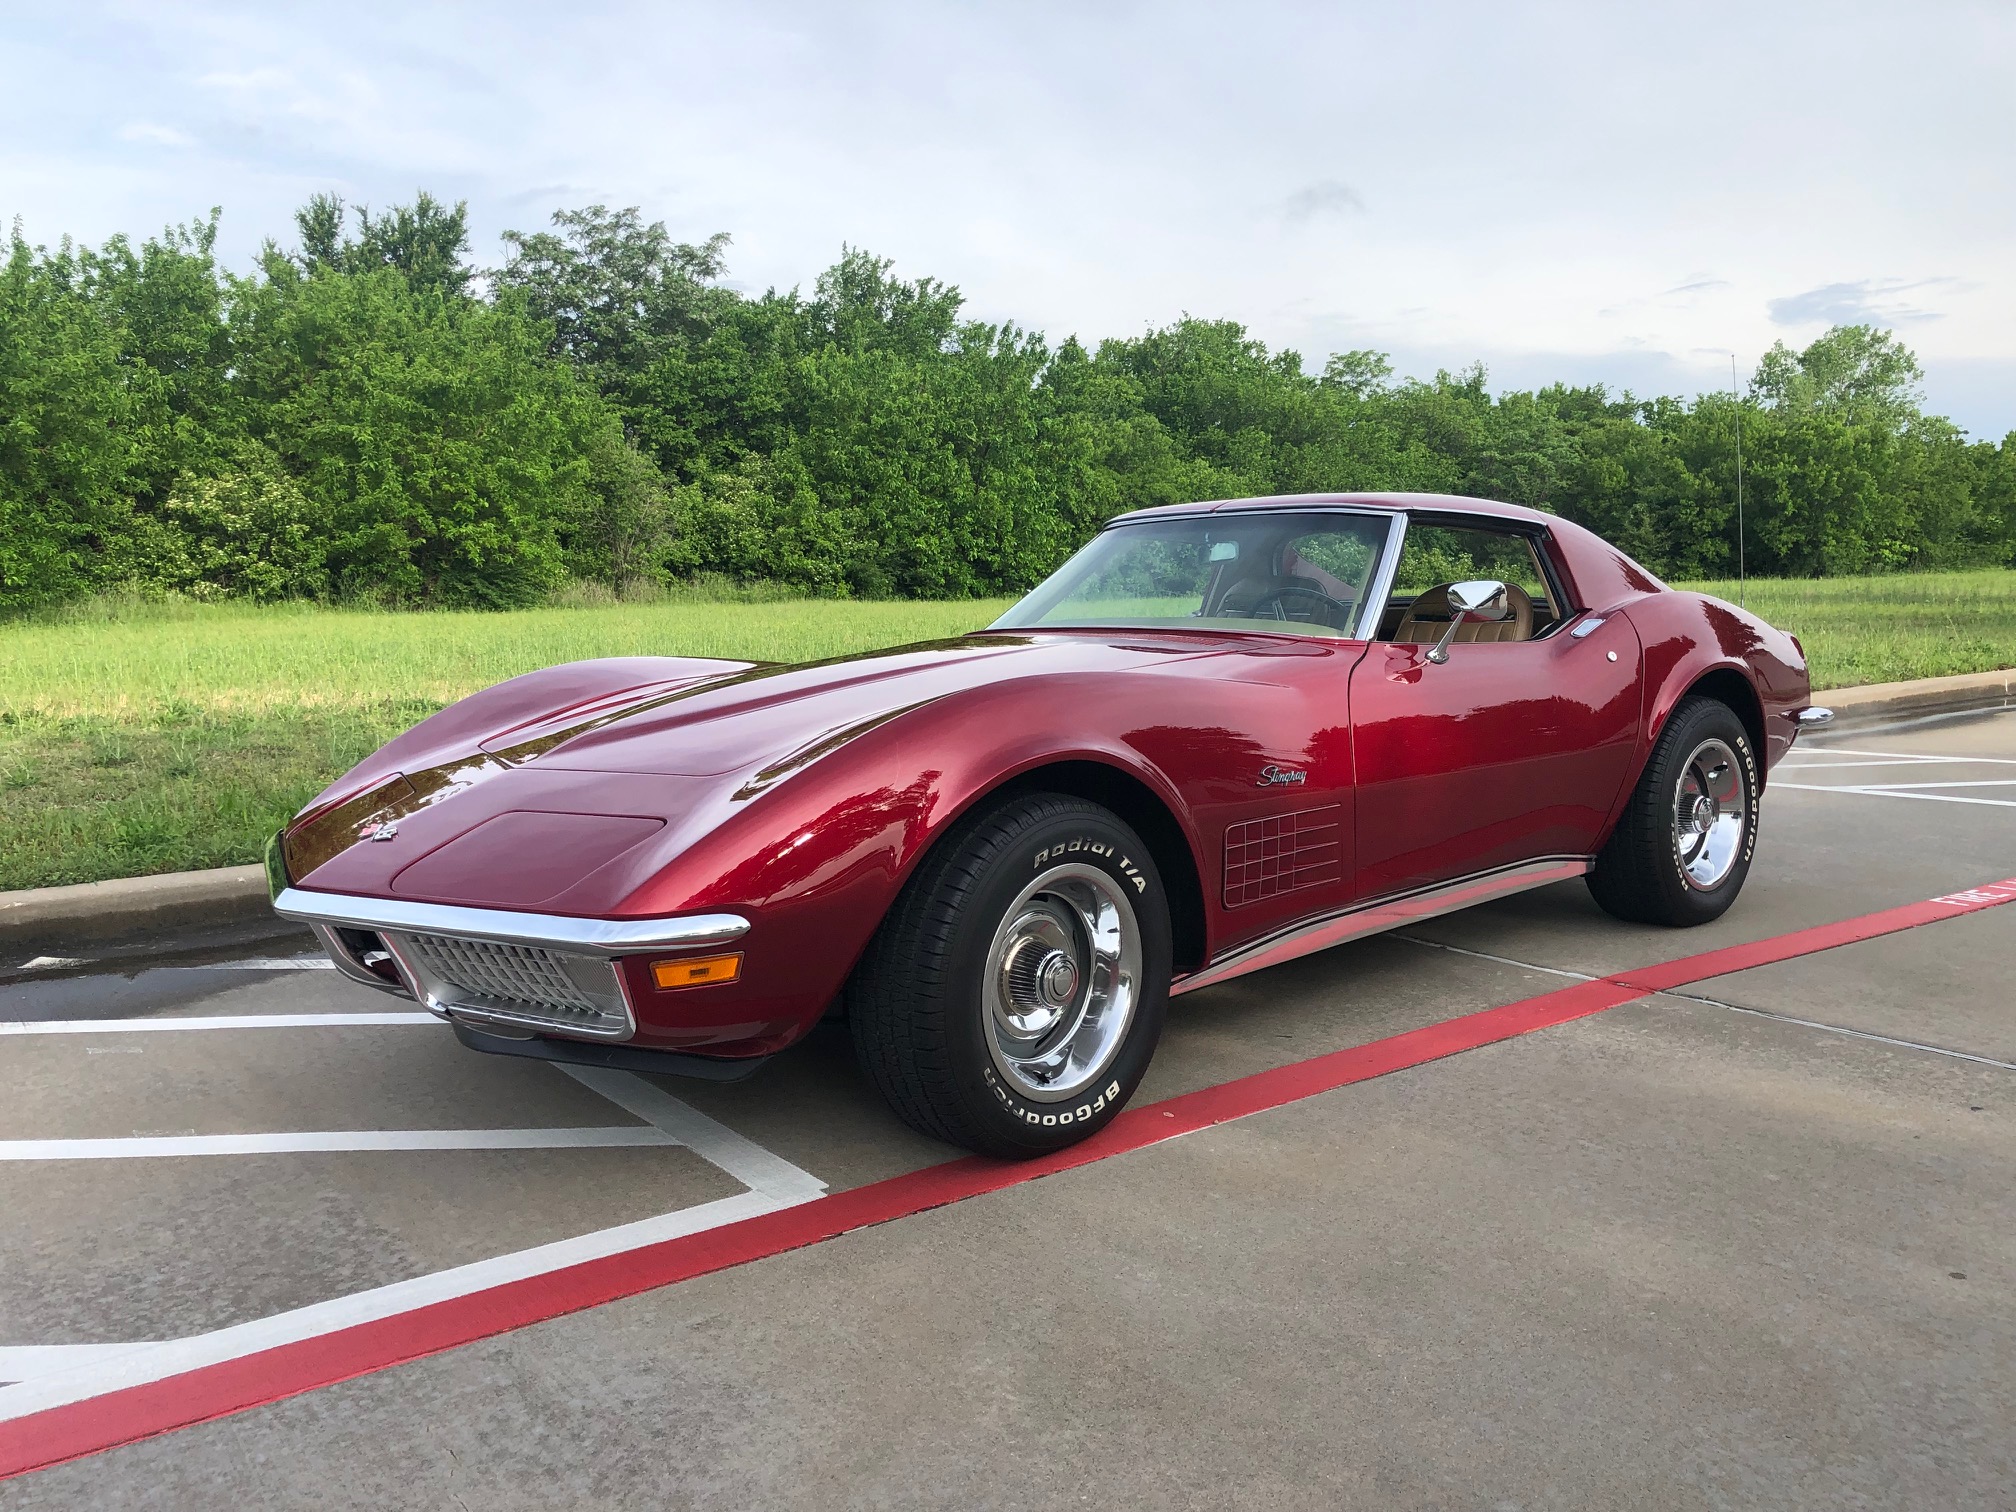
pixel 1713 963
pixel 231 1386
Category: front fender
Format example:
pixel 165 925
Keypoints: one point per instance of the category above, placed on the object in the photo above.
pixel 816 861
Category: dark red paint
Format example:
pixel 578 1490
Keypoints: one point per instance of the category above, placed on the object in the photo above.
pixel 802 796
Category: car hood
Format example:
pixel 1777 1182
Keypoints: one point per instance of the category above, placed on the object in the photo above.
pixel 766 712
pixel 610 740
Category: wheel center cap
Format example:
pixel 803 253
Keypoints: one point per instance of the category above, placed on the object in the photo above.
pixel 1057 979
pixel 1705 813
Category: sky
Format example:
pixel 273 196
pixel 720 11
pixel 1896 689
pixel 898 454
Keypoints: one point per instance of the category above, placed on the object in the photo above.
pixel 1615 193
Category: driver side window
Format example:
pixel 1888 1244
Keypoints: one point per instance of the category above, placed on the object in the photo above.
pixel 1435 556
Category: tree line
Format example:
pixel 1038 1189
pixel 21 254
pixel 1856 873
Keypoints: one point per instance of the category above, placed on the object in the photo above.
pixel 367 415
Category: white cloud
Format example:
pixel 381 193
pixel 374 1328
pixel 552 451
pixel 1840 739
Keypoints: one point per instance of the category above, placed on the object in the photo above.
pixel 1326 198
pixel 1608 189
pixel 1869 301
pixel 247 81
pixel 150 133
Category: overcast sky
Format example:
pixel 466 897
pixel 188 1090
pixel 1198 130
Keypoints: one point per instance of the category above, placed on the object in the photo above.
pixel 1614 192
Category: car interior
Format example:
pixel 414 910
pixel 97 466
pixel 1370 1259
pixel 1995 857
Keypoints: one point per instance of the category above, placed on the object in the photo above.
pixel 1286 579
pixel 1437 557
pixel 1280 583
pixel 1304 574
pixel 1423 619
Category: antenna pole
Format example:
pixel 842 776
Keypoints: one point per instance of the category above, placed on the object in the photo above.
pixel 1735 394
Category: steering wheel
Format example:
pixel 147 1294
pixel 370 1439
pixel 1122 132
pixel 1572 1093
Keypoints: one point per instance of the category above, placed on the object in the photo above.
pixel 1274 605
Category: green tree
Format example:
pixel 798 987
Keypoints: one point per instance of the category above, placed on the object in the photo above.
pixel 363 415
pixel 1854 371
pixel 426 242
pixel 621 530
pixel 243 529
pixel 443 448
pixel 617 293
pixel 68 454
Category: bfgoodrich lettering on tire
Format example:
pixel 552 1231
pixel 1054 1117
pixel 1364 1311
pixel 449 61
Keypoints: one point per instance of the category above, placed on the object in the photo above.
pixel 1683 845
pixel 1011 1000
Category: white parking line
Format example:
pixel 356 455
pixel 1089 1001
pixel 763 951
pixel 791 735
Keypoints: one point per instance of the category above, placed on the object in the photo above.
pixel 744 1159
pixel 159 1361
pixel 1822 759
pixel 1902 787
pixel 333 1141
pixel 1789 765
pixel 51 1376
pixel 1907 756
pixel 217 1021
pixel 23 1362
pixel 1880 792
pixel 266 963
pixel 257 963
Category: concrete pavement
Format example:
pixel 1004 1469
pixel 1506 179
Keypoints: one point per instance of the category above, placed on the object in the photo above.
pixel 1676 1255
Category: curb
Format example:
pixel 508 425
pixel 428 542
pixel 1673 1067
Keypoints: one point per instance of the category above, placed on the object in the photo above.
pixel 129 906
pixel 1889 703
pixel 236 895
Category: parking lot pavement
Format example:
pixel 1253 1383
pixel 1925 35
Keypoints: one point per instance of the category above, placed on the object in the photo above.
pixel 1744 1244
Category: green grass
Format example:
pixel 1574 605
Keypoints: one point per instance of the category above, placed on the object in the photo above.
pixel 1890 629
pixel 141 738
pixel 136 660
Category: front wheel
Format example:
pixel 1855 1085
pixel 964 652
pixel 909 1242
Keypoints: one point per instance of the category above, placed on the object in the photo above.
pixel 1683 845
pixel 1011 1000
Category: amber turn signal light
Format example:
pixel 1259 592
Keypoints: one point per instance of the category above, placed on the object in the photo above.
pixel 697 971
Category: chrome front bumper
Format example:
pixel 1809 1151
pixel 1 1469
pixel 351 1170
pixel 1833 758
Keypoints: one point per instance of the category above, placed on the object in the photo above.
pixel 546 973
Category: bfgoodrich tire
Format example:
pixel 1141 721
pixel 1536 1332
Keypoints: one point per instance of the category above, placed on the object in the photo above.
pixel 1683 845
pixel 1012 998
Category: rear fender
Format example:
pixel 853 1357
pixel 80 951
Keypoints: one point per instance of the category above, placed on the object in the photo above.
pixel 1693 643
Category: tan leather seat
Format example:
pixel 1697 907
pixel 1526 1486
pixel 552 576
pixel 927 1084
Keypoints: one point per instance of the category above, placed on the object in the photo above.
pixel 1428 616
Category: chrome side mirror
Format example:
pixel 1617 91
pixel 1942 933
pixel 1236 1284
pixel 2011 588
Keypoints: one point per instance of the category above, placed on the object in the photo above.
pixel 1480 598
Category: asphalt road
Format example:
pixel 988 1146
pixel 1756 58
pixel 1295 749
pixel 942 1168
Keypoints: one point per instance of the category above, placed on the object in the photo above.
pixel 1750 1244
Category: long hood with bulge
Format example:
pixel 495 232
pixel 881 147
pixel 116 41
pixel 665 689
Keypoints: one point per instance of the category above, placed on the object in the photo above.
pixel 568 795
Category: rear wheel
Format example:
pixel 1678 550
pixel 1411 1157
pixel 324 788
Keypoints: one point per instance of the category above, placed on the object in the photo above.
pixel 1011 1000
pixel 1683 845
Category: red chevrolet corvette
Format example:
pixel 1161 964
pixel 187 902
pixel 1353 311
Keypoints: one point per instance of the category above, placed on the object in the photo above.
pixel 1219 737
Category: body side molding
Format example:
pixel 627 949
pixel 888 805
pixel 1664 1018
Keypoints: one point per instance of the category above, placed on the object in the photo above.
pixel 1382 914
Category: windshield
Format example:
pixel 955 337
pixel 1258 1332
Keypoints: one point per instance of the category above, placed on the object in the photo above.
pixel 1289 574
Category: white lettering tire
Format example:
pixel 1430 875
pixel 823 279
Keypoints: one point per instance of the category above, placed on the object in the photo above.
pixel 1013 996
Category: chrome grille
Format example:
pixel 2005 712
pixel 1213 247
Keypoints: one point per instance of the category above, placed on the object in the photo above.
pixel 520 983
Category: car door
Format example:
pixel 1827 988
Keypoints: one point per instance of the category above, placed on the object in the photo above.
pixel 1508 751
pixel 1256 735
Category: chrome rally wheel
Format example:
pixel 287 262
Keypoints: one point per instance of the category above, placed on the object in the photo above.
pixel 1061 982
pixel 1013 996
pixel 1711 814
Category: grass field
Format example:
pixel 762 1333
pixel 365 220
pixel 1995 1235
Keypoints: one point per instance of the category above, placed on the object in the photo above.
pixel 169 738
pixel 147 738
pixel 1890 629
